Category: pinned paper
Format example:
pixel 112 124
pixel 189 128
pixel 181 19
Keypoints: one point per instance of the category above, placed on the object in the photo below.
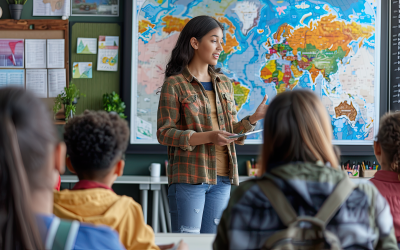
pixel 82 70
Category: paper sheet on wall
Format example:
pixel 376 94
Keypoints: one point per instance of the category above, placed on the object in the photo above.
pixel 86 46
pixel 14 77
pixel 144 129
pixel 11 53
pixel 35 53
pixel 36 82
pixel 107 59
pixel 56 81
pixel 55 53
pixel 82 70
pixel 51 7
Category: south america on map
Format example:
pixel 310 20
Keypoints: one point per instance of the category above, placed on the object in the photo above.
pixel 271 47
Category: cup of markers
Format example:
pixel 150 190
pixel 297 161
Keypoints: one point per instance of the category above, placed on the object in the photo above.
pixel 361 169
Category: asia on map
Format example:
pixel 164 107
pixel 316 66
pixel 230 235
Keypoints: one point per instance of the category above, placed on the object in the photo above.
pixel 271 47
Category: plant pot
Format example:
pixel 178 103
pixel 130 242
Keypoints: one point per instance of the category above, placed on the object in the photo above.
pixel 16 10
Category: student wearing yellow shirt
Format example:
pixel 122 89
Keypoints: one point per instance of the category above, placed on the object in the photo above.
pixel 96 142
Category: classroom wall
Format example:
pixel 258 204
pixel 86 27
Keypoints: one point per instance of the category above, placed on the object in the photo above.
pixel 137 164
pixel 28 10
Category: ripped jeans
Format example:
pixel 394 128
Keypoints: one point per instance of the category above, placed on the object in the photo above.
pixel 198 208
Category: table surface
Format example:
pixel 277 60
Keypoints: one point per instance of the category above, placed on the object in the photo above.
pixel 194 241
pixel 137 179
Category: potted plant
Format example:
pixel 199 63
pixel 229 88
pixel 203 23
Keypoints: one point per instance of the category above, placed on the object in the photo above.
pixel 112 103
pixel 16 7
pixel 69 98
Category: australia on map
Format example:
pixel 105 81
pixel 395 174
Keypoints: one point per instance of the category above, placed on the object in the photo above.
pixel 271 47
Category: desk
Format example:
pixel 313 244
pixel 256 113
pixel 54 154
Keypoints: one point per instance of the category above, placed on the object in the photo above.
pixel 194 241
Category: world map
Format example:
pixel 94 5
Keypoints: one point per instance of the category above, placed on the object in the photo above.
pixel 272 46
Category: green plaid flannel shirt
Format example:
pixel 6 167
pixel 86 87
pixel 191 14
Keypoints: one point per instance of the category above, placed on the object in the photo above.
pixel 184 109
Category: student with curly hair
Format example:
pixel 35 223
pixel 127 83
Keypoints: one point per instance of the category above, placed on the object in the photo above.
pixel 96 142
pixel 387 152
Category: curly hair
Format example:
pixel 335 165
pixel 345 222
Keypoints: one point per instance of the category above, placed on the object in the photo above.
pixel 389 139
pixel 95 140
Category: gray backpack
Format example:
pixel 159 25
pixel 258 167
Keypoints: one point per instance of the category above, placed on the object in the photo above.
pixel 315 236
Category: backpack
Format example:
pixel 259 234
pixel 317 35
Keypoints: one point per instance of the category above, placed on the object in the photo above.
pixel 315 236
pixel 61 234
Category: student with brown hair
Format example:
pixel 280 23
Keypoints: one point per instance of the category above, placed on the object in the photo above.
pixel 31 159
pixel 296 151
pixel 387 152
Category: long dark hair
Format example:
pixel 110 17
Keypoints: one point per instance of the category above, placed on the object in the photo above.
pixel 26 135
pixel 297 128
pixel 183 52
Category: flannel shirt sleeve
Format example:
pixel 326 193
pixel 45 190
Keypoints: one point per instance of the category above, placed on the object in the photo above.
pixel 167 117
pixel 242 126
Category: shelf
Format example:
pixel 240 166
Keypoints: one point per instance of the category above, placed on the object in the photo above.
pixel 59 122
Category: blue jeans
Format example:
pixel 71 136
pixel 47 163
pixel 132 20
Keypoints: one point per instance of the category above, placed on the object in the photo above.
pixel 198 208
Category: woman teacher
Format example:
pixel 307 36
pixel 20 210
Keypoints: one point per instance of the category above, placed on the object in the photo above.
pixel 196 114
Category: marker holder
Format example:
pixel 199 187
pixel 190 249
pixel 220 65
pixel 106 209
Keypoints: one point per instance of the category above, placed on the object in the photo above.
pixel 368 172
pixel 352 173
pixel 252 171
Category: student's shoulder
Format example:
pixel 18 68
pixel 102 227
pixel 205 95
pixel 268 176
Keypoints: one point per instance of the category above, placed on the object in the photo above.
pixel 130 203
pixel 97 237
pixel 246 188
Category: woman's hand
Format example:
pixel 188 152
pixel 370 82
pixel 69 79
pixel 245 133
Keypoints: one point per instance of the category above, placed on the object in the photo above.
pixel 260 111
pixel 216 137
pixel 219 138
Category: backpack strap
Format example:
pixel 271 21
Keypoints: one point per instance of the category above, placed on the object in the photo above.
pixel 335 200
pixel 279 202
pixel 288 215
pixel 62 234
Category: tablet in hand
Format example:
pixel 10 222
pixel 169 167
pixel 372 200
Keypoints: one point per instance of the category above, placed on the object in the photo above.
pixel 245 134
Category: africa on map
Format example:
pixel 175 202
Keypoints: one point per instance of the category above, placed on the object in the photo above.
pixel 271 47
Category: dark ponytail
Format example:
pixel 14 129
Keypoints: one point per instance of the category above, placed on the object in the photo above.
pixel 183 52
pixel 389 139
pixel 26 134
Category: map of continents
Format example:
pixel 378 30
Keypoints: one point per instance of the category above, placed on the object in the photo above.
pixel 273 46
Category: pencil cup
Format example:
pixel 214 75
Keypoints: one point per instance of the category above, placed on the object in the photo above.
pixel 368 173
pixel 155 169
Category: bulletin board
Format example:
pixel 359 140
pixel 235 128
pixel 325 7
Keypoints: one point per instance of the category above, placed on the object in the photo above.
pixel 102 81
pixel 38 29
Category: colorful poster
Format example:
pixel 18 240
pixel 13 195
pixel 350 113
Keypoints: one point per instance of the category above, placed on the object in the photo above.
pixel 329 47
pixel 51 7
pixel 82 70
pixel 86 46
pixel 11 53
pixel 107 59
pixel 95 8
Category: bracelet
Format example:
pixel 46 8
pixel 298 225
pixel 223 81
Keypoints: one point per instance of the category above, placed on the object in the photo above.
pixel 248 118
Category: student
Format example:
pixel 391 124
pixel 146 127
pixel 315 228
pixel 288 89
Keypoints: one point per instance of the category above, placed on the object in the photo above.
pixel 297 147
pixel 96 142
pixel 31 159
pixel 195 115
pixel 387 152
